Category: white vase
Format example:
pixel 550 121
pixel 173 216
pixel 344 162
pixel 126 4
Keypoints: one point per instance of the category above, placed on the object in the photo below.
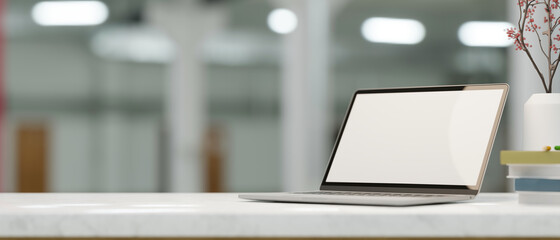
pixel 541 125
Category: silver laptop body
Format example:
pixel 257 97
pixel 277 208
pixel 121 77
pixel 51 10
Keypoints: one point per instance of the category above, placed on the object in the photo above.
pixel 409 146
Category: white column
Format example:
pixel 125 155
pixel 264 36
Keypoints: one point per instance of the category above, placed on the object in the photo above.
pixel 187 23
pixel 306 109
pixel 112 146
pixel 110 131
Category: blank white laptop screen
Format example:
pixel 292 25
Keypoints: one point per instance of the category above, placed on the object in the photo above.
pixel 416 137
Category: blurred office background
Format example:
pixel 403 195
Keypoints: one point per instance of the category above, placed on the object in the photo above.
pixel 219 95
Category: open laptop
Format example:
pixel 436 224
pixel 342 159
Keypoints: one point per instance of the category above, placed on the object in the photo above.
pixel 409 146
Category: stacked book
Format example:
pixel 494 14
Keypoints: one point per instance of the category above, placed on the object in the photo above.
pixel 536 175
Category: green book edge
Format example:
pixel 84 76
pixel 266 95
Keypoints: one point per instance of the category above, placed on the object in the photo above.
pixel 529 157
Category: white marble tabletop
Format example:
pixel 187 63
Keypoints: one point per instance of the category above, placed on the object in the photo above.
pixel 224 215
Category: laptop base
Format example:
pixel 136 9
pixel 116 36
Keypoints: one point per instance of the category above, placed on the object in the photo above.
pixel 354 200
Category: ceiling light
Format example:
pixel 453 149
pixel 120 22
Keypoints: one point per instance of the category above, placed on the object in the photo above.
pixel 133 43
pixel 393 30
pixel 282 21
pixel 484 34
pixel 69 13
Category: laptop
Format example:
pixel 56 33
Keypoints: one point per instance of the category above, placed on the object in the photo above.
pixel 409 146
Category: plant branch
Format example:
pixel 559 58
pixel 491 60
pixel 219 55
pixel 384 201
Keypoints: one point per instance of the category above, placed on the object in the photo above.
pixel 540 42
pixel 535 66
pixel 555 64
pixel 548 58
pixel 556 23
pixel 521 38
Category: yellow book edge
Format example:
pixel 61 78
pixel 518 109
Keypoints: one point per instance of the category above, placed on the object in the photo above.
pixel 529 157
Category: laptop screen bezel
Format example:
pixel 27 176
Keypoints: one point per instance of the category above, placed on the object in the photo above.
pixel 418 188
